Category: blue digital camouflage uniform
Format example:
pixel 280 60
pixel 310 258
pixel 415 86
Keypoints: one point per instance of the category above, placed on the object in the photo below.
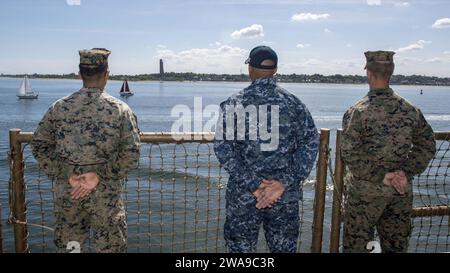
pixel 88 131
pixel 247 165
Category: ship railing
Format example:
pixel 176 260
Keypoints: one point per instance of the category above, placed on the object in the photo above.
pixel 175 199
pixel 431 209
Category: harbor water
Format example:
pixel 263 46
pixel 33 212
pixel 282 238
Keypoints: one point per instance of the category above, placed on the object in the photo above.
pixel 154 101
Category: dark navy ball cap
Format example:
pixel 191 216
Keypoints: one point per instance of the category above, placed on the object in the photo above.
pixel 261 53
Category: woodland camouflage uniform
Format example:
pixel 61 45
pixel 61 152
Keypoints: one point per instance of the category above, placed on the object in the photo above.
pixel 382 133
pixel 89 131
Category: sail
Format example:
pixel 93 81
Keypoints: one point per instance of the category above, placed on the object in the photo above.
pixel 25 91
pixel 27 86
pixel 125 90
pixel 22 89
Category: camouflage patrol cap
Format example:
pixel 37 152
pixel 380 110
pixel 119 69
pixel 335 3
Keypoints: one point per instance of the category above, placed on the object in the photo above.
pixel 381 57
pixel 94 57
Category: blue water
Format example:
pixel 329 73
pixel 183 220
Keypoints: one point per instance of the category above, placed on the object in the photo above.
pixel 153 102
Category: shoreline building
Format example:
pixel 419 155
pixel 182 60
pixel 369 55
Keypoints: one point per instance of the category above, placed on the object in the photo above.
pixel 161 70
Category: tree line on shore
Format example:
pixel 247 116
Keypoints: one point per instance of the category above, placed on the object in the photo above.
pixel 293 78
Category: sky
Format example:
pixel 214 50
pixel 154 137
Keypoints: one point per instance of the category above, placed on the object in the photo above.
pixel 215 36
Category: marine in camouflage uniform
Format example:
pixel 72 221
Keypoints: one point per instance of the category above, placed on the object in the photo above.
pixel 89 131
pixel 247 165
pixel 382 133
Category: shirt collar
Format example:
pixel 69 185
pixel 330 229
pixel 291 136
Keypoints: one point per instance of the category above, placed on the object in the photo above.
pixel 264 81
pixel 91 90
pixel 377 92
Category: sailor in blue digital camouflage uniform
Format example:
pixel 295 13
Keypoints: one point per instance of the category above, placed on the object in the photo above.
pixel 267 141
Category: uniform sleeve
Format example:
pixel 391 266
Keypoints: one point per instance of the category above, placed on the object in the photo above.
pixel 423 149
pixel 351 146
pixel 43 145
pixel 229 158
pixel 307 145
pixel 129 154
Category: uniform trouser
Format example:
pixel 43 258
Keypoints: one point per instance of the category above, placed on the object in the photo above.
pixel 243 222
pixel 101 213
pixel 391 216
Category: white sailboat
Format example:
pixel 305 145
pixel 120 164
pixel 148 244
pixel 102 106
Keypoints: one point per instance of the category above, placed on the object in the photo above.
pixel 25 91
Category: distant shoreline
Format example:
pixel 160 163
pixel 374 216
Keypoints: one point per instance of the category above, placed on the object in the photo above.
pixel 413 80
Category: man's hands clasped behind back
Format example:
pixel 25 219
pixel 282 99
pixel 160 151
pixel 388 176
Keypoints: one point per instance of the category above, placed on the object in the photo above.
pixel 268 193
pixel 83 185
pixel 397 180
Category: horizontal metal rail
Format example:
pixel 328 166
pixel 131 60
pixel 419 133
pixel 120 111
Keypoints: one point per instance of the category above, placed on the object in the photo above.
pixel 146 137
pixel 431 211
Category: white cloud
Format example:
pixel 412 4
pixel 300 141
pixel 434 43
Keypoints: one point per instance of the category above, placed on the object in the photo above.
pixel 427 66
pixel 414 47
pixel 407 60
pixel 348 63
pixel 322 66
pixel 39 65
pixel 348 45
pixel 216 43
pixel 434 60
pixel 350 66
pixel 405 65
pixel 220 59
pixel 447 52
pixel 300 17
pixel 303 45
pixel 413 61
pixel 374 2
pixel 314 62
pixel 73 2
pixel 402 4
pixel 194 53
pixel 326 30
pixel 253 31
pixel 442 23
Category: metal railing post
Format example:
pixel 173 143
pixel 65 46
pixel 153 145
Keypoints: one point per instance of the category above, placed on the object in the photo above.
pixel 18 207
pixel 320 191
pixel 1 228
pixel 338 189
